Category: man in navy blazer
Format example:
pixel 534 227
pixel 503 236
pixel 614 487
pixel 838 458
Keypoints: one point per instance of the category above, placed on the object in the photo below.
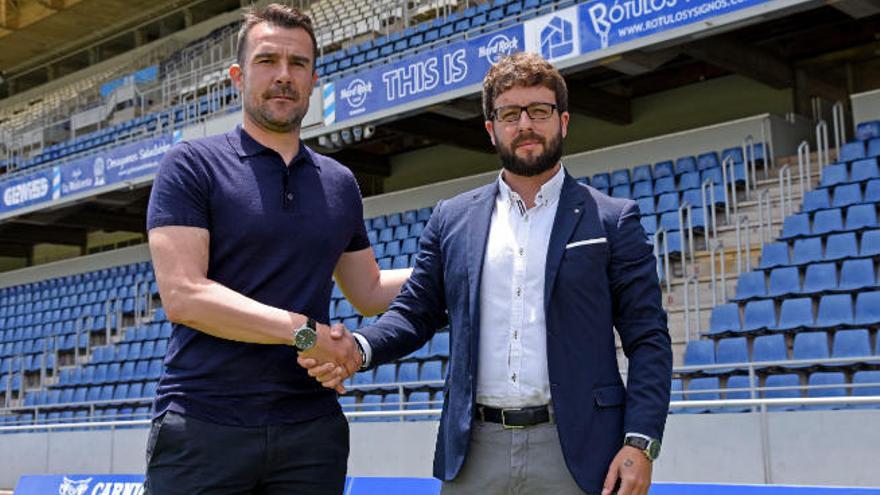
pixel 532 272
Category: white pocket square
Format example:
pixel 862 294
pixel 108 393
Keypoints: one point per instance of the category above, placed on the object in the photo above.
pixel 586 242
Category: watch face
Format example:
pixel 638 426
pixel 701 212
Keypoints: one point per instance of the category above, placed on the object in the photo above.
pixel 305 338
pixel 653 449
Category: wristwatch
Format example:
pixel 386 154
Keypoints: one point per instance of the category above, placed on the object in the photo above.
pixel 650 446
pixel 362 352
pixel 306 336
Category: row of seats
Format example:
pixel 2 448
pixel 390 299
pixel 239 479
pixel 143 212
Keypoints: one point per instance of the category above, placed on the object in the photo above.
pixel 842 173
pixel 412 401
pixel 859 149
pixel 830 221
pixel 127 351
pixel 841 196
pixel 818 279
pixel 673 169
pixel 782 386
pixel 147 369
pixel 807 347
pixel 823 248
pixel 479 17
pixel 49 288
pixel 834 311
pixel 94 393
pixel 392 374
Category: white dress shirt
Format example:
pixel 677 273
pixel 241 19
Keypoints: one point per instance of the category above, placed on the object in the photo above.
pixel 512 369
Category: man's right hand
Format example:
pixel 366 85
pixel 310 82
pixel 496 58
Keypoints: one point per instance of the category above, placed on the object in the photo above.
pixel 334 357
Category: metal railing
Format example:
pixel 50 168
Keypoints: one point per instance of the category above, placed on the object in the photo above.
pixel 686 237
pixel 838 116
pixel 765 216
pixel 728 178
pixel 823 156
pixel 743 246
pixel 716 252
pixel 805 167
pixel 710 214
pixel 691 283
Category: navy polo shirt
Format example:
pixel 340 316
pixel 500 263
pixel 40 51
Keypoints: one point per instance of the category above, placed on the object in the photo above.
pixel 277 233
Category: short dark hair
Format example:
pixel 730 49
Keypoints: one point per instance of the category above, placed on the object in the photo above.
pixel 522 69
pixel 276 15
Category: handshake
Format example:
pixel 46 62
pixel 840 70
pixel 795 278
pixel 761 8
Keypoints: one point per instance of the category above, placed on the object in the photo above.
pixel 335 357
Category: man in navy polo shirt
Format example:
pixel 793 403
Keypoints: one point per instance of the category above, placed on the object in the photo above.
pixel 246 230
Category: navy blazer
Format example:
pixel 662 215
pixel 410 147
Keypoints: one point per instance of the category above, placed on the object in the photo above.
pixel 589 289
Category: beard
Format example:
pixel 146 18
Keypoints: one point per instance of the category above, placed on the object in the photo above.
pixel 532 165
pixel 263 115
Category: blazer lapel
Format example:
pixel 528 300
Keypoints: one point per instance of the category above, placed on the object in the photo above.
pixel 568 214
pixel 479 215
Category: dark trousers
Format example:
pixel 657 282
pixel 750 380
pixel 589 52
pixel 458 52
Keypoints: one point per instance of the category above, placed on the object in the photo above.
pixel 186 456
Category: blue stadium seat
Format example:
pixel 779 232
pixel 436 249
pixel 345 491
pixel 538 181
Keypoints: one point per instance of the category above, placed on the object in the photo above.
pixel 418 401
pixel 807 251
pixel 795 314
pixel 773 255
pixel 665 184
pixel 670 222
pixel 834 311
pixel 623 191
pixel 796 226
pixel 730 351
pixel 385 374
pixel 440 345
pixel 601 180
pixel 699 353
pixel 689 180
pixel 620 177
pixel 841 246
pixel 866 384
pixel 784 281
pixel 708 161
pixel 738 387
pixel 860 217
pixel 870 244
pixel 642 173
pixel 715 175
pixel 649 223
pixel 663 169
pixel 828 221
pixel 868 130
pixel 837 383
pixel 852 151
pixel 855 344
pixel 701 389
pixel 809 346
pixel 667 202
pixel 817 199
pixel 646 205
pixel 431 371
pixel 833 175
pixel 782 387
pixel 685 164
pixel 868 308
pixel 769 348
pixel 847 195
pixel 857 274
pixel 872 191
pixel 759 316
pixel 408 372
pixel 863 170
pixel 820 278
pixel 750 285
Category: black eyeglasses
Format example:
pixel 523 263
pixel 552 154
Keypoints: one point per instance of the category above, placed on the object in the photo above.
pixel 512 113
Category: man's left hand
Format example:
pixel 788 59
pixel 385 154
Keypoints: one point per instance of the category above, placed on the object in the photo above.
pixel 633 469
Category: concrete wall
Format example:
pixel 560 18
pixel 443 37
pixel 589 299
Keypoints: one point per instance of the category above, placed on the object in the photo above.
pixel 865 107
pixel 827 448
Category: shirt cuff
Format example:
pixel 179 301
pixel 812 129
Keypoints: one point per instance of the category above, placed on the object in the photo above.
pixel 637 435
pixel 365 345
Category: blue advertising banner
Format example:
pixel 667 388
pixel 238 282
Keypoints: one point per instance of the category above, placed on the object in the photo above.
pixel 82 484
pixel 133 485
pixel 606 23
pixel 109 167
pixel 434 72
pixel 574 31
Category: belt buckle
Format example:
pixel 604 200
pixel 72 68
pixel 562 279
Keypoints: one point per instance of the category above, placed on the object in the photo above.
pixel 504 420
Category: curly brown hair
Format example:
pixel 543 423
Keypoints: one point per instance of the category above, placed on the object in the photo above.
pixel 524 70
pixel 276 15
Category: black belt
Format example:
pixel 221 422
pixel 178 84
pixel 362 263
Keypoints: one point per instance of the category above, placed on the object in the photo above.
pixel 514 417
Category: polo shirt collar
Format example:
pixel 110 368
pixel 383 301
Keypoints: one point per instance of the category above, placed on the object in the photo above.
pixel 245 145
